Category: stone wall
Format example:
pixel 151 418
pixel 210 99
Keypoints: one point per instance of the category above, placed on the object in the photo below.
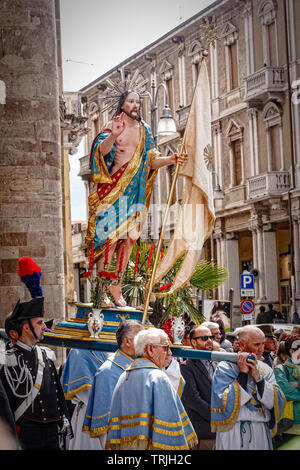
pixel 30 153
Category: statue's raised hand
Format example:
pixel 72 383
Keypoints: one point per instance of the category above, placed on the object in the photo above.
pixel 118 125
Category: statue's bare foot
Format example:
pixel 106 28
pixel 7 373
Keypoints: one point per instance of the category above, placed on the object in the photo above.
pixel 107 303
pixel 115 290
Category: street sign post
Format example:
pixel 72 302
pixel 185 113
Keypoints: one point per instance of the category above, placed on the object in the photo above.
pixel 247 307
pixel 247 285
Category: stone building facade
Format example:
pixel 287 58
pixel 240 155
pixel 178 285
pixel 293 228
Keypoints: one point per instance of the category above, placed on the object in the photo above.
pixel 31 162
pixel 39 129
pixel 255 134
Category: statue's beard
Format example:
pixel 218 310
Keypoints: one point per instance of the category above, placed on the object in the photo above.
pixel 132 116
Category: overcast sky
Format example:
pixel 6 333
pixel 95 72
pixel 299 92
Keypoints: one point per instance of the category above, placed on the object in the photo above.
pixel 97 35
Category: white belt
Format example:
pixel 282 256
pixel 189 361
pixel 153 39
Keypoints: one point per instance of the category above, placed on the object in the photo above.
pixel 35 389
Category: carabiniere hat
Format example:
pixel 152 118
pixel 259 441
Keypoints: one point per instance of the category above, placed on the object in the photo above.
pixel 29 273
pixel 25 310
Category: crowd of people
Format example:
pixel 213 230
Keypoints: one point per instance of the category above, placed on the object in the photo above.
pixel 141 397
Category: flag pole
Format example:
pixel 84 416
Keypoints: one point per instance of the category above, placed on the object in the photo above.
pixel 150 284
pixel 151 281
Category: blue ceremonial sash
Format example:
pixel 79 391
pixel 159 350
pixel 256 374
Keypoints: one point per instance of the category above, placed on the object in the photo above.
pixel 79 370
pixel 146 411
pixel 98 407
pixel 226 396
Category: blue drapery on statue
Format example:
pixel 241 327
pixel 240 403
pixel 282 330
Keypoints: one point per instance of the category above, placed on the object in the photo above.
pixel 122 199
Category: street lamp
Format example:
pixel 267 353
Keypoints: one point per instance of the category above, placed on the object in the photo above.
pixel 218 194
pixel 164 127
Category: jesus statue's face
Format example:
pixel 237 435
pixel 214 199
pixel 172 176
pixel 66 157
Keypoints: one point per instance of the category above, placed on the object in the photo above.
pixel 131 105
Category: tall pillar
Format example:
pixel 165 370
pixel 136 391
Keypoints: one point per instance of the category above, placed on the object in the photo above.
pixel 232 264
pixel 30 153
pixel 296 228
pixel 219 231
pixel 259 240
pixel 255 260
pixel 270 265
pixel 260 259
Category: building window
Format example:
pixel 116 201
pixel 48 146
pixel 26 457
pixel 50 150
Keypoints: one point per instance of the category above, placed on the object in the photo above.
pixel 237 162
pixel 234 133
pixel 272 44
pixel 267 12
pixel 95 127
pixel 275 148
pixel 166 72
pixel 169 84
pixel 272 116
pixel 195 51
pixel 233 63
pixel 230 36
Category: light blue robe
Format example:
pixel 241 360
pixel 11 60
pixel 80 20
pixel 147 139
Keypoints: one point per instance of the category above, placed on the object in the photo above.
pixel 241 418
pixel 147 413
pixel 77 379
pixel 79 370
pixel 98 408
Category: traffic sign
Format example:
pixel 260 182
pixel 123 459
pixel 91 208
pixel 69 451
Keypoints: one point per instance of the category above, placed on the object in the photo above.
pixel 247 285
pixel 247 306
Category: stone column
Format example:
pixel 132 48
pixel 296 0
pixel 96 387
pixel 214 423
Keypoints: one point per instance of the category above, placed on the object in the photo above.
pixel 256 225
pixel 255 260
pixel 296 233
pixel 270 265
pixel 232 264
pixel 260 259
pixel 30 153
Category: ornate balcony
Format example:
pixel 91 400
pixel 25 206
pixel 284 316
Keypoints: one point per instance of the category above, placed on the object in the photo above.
pixel 268 184
pixel 183 114
pixel 84 171
pixel 265 84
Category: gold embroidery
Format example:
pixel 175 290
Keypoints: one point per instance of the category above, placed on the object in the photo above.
pixel 227 424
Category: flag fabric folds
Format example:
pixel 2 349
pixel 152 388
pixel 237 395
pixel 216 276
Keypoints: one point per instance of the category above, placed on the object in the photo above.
pixel 196 216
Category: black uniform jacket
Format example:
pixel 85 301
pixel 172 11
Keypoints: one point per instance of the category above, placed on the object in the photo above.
pixel 196 396
pixel 49 405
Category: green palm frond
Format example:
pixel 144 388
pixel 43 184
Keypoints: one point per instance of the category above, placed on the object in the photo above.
pixel 208 276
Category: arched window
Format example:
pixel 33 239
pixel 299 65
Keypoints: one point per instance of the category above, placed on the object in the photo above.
pixel 267 12
pixel 166 72
pixel 195 51
pixel 272 116
pixel 230 36
pixel 234 133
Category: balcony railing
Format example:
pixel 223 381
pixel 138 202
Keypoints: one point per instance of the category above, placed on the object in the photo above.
pixel 84 166
pixel 264 81
pixel 183 114
pixel 268 184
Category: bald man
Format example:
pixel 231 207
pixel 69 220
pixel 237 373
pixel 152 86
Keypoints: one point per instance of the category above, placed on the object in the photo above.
pixel 246 401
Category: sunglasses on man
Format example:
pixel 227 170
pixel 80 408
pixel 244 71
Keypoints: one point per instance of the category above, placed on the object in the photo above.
pixel 205 338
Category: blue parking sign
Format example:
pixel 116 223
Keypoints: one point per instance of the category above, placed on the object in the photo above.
pixel 247 281
pixel 247 285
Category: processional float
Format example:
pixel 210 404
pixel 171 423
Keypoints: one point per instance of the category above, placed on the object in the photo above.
pixel 74 333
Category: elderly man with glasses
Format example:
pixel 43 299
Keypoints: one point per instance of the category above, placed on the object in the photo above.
pixel 146 412
pixel 198 374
